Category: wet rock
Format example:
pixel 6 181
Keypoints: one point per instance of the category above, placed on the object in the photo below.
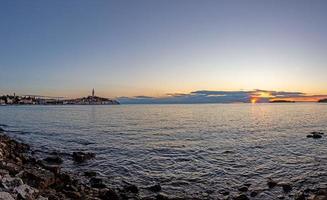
pixel 109 194
pixel 9 183
pixel 155 188
pixel 25 192
pixel 161 197
pixel 131 188
pixel 82 157
pixel 97 183
pixel 241 197
pixel 52 168
pixel 54 160
pixel 315 135
pixel 65 178
pixel 243 189
pixel 319 133
pixel 253 193
pixel 6 196
pixel 286 186
pixel 90 173
pixel 271 183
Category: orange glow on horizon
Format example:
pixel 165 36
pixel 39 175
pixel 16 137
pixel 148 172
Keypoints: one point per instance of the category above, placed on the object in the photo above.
pixel 254 100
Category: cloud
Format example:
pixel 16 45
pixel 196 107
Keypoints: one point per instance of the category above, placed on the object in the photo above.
pixel 209 96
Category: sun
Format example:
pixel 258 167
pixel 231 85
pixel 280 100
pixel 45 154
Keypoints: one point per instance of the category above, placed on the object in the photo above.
pixel 254 100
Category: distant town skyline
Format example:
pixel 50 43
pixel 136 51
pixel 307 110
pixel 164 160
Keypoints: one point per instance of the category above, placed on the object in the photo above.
pixel 156 49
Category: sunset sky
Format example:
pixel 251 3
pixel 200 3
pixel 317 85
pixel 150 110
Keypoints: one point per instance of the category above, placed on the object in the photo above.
pixel 161 48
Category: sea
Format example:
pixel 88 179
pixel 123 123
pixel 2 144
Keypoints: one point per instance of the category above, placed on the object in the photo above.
pixel 198 150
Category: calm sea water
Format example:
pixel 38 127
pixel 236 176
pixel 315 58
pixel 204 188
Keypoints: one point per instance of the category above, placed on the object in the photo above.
pixel 188 149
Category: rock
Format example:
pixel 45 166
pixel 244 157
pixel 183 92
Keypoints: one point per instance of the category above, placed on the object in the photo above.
pixel 241 197
pixel 54 160
pixel 161 197
pixel 224 192
pixel 38 178
pixel 300 196
pixel 319 133
pixel 280 197
pixel 90 173
pixel 9 183
pixel 253 193
pixel 247 184
pixel 52 168
pixel 6 196
pixel 286 187
pixel 42 198
pixel 131 188
pixel 271 183
pixel 65 178
pixel 155 188
pixel 11 167
pixel 82 157
pixel 25 192
pixel 243 189
pixel 73 194
pixel 97 183
pixel 4 172
pixel 315 135
pixel 109 194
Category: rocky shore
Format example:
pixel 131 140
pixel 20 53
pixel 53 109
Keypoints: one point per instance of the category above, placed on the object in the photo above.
pixel 24 177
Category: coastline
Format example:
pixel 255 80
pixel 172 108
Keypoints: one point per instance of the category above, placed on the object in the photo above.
pixel 23 176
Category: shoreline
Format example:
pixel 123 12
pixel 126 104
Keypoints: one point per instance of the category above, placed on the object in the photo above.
pixel 24 176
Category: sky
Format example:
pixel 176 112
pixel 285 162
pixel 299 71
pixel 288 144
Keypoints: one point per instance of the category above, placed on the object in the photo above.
pixel 159 49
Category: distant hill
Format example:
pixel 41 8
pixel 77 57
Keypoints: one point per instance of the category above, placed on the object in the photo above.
pixel 322 101
pixel 91 100
pixel 281 101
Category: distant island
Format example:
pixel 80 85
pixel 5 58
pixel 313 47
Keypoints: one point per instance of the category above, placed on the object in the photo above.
pixel 281 101
pixel 40 100
pixel 322 101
